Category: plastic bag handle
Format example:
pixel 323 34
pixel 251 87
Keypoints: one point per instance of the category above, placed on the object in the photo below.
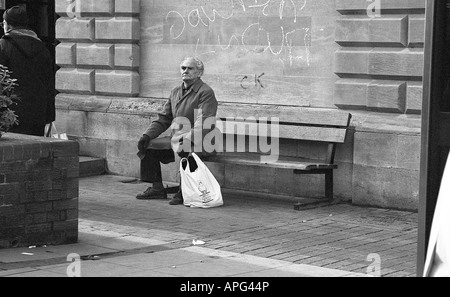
pixel 54 127
pixel 51 127
pixel 48 130
pixel 187 164
pixel 197 160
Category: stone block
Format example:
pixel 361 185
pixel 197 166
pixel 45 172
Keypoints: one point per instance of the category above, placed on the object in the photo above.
pixel 74 123
pixel 262 179
pixel 344 5
pixel 355 29
pixel 95 55
pixel 380 61
pixel 388 30
pixel 386 187
pixel 414 97
pixel 83 102
pixel 117 82
pixel 117 29
pixel 75 29
pixel 82 8
pixel 62 7
pixel 119 150
pixel 351 93
pixel 97 7
pixel 396 62
pixel 238 177
pixel 137 106
pixel 387 150
pixel 355 61
pixel 416 30
pixel 116 126
pixel 387 95
pixel 93 147
pixel 127 6
pixel 66 54
pixel 75 80
pixel 393 30
pixel 409 149
pixel 127 55
pixel 376 149
pixel 218 170
pixel 378 122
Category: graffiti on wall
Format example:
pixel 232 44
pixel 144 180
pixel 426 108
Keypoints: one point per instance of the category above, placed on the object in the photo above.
pixel 273 27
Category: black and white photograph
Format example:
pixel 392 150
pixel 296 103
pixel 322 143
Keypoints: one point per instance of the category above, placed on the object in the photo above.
pixel 224 147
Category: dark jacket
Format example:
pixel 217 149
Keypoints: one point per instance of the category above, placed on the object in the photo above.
pixel 32 65
pixel 197 105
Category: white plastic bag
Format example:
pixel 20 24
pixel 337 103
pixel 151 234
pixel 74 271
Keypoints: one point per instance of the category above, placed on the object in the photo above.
pixel 200 189
pixel 52 132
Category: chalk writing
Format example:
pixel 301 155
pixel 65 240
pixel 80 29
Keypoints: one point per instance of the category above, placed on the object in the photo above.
pixel 257 81
pixel 289 39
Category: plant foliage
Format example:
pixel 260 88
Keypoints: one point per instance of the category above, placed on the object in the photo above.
pixel 7 99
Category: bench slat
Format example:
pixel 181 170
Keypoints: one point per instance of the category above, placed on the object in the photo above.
pixel 291 115
pixel 322 134
pixel 283 162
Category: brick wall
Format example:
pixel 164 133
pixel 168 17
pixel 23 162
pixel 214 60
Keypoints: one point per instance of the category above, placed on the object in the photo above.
pixel 38 191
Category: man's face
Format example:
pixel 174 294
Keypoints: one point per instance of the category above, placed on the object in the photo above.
pixel 189 71
pixel 5 26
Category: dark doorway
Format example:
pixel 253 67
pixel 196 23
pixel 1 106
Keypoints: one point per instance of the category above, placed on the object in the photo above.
pixel 436 117
pixel 42 19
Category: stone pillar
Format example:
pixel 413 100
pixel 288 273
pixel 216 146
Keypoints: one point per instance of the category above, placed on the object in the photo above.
pixel 99 51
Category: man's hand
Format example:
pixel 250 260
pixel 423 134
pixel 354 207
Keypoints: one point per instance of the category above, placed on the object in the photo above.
pixel 183 154
pixel 143 142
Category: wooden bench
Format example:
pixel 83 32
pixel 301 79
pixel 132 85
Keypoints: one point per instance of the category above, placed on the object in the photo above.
pixel 327 126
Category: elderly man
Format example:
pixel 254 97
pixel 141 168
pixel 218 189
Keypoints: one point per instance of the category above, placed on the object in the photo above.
pixel 193 102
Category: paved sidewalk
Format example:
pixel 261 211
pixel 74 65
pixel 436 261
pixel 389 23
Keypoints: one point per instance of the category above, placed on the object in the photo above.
pixel 248 236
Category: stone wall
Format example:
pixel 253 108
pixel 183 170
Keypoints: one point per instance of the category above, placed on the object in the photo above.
pixel 38 191
pixel 99 51
pixel 380 67
pixel 119 62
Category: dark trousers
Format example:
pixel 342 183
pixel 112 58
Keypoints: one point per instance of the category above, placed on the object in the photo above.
pixel 151 164
pixel 160 152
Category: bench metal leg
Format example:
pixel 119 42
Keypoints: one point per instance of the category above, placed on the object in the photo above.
pixel 329 185
pixel 328 181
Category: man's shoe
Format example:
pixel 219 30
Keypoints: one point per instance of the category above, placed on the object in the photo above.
pixel 151 193
pixel 177 199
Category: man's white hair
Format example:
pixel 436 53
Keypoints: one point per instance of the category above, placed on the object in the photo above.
pixel 198 63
